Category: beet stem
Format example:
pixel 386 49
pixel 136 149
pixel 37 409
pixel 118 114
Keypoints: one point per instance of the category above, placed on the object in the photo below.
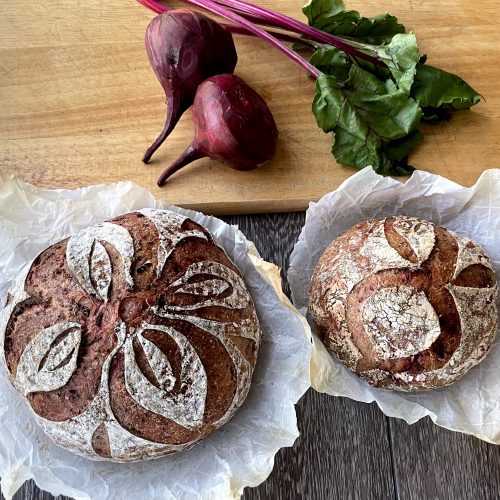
pixel 159 8
pixel 173 117
pixel 222 11
pixel 288 23
pixel 261 15
pixel 284 37
pixel 190 154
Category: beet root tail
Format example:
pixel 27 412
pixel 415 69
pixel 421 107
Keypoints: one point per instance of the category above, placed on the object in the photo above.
pixel 174 113
pixel 190 154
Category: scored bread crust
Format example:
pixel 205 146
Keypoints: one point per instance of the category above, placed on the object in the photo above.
pixel 405 304
pixel 132 339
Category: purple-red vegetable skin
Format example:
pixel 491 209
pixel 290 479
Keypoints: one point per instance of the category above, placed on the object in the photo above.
pixel 233 125
pixel 185 48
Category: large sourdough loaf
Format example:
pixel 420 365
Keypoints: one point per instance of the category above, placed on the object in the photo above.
pixel 405 304
pixel 132 339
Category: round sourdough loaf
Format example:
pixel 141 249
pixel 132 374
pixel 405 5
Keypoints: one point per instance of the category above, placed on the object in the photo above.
pixel 405 304
pixel 132 339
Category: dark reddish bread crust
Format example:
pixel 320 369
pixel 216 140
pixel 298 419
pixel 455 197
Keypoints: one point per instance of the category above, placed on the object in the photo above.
pixel 55 295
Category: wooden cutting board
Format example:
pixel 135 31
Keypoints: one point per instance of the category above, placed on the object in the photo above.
pixel 79 103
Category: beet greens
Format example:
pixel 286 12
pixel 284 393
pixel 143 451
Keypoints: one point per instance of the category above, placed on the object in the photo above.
pixel 373 88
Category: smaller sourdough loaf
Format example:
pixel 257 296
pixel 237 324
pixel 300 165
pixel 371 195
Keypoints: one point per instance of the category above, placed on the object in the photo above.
pixel 405 304
pixel 132 339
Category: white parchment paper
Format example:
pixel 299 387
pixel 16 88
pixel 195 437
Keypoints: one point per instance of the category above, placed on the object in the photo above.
pixel 239 454
pixel 471 405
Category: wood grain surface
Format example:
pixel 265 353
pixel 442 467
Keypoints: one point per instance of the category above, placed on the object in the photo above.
pixel 79 103
pixel 350 450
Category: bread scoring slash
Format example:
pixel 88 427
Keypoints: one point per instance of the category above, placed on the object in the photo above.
pixel 132 339
pixel 405 304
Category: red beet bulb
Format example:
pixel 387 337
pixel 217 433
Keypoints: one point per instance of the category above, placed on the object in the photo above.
pixel 233 125
pixel 185 48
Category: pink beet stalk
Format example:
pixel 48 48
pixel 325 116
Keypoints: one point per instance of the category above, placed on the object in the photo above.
pixel 261 15
pixel 252 28
pixel 159 8
pixel 288 23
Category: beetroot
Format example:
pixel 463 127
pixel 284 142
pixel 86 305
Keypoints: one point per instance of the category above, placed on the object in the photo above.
pixel 185 48
pixel 232 125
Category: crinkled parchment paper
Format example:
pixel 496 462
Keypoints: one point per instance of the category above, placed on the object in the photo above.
pixel 472 405
pixel 239 454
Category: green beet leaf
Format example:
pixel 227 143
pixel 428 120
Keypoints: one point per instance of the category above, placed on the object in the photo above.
pixel 383 157
pixel 331 16
pixel 401 57
pixel 380 37
pixel 439 92
pixel 367 117
pixel 373 107
pixel 399 149
pixel 332 61
pixel 317 10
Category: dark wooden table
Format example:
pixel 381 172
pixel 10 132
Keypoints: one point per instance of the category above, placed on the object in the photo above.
pixel 352 450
